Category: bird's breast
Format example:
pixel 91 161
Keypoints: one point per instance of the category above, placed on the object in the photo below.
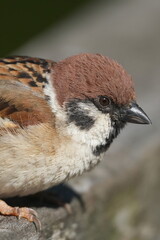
pixel 37 159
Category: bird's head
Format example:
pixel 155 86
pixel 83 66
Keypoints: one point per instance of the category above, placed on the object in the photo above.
pixel 95 97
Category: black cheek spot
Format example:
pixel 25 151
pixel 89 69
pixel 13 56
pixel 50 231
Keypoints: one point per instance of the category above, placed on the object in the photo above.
pixel 81 120
pixel 78 117
pixel 33 84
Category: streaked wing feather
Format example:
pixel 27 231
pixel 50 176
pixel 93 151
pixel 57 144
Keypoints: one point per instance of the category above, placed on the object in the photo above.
pixel 21 97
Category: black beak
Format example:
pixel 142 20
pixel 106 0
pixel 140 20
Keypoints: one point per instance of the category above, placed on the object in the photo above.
pixel 135 114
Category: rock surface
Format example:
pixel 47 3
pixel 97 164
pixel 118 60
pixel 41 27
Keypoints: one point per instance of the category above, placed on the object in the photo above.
pixel 121 196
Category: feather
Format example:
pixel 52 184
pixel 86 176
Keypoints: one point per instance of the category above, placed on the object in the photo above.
pixel 22 101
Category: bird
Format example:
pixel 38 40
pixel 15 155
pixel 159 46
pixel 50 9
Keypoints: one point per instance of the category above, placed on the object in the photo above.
pixel 57 120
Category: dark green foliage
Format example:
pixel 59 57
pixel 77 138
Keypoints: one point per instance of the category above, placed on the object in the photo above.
pixel 21 20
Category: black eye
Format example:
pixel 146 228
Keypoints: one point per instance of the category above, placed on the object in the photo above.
pixel 104 101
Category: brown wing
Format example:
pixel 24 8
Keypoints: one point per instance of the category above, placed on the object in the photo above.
pixel 22 102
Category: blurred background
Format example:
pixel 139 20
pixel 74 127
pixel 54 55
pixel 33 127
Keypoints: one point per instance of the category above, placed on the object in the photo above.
pixel 128 31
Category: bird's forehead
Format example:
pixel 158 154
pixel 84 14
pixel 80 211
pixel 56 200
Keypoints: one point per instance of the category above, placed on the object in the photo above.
pixel 89 75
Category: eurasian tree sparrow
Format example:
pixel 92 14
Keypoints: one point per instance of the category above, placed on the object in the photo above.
pixel 57 119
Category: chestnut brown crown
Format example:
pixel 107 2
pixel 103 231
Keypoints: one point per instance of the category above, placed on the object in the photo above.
pixel 92 75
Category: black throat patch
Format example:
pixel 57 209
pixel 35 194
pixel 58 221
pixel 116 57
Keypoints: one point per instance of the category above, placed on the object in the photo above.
pixel 117 126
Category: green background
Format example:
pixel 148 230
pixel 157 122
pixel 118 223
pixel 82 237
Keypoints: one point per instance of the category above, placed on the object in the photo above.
pixel 21 20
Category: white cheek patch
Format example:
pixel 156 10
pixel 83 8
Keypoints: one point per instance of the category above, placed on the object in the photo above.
pixel 96 135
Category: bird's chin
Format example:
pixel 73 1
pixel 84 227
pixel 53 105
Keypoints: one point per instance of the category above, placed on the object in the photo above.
pixel 116 128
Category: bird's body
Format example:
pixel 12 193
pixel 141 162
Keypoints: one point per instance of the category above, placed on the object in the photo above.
pixel 42 159
pixel 38 156
pixel 58 119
